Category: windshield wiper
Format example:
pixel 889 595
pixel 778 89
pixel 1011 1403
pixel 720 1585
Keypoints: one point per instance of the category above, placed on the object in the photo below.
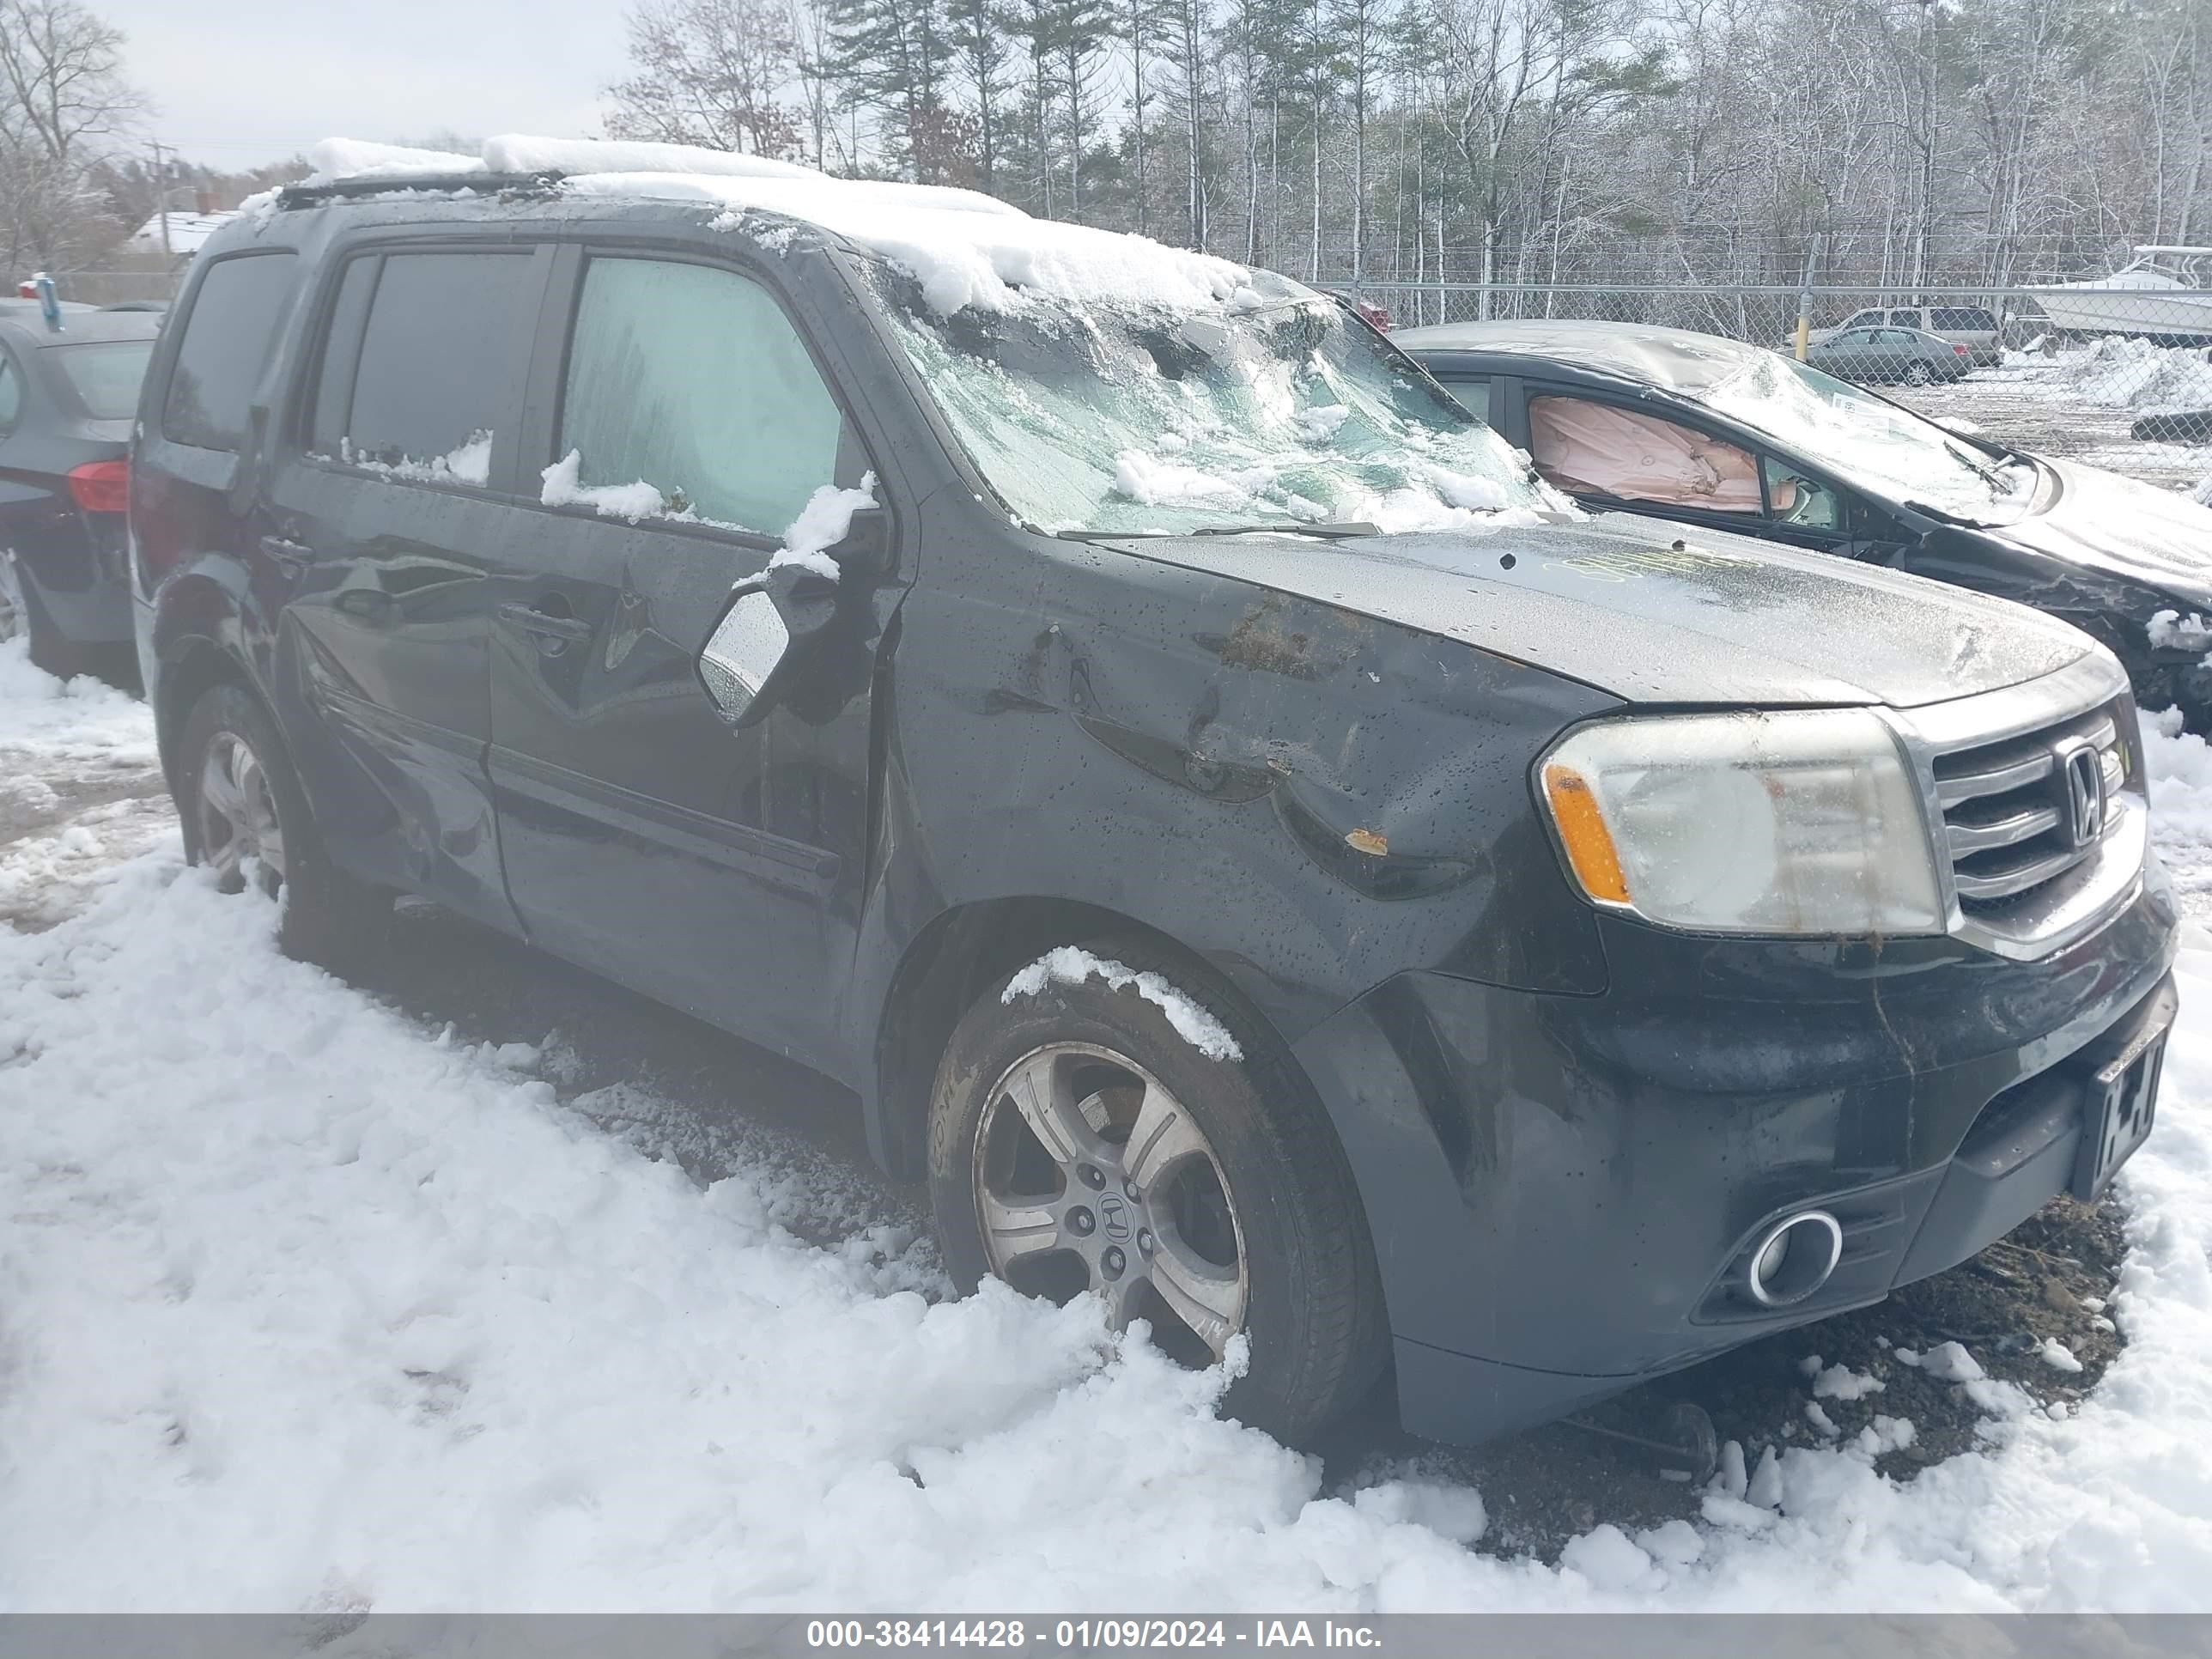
pixel 1333 532
pixel 1988 474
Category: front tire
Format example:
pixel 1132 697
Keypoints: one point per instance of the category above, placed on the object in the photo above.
pixel 1079 1144
pixel 246 819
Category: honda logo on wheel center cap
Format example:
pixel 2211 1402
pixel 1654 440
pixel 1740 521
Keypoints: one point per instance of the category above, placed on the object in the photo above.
pixel 1114 1218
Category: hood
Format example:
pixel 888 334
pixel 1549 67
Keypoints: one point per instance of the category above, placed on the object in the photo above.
pixel 2122 528
pixel 1662 613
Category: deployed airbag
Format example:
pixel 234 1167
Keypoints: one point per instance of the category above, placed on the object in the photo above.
pixel 1592 448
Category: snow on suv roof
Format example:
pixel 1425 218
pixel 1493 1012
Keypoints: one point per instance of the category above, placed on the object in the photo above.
pixel 966 248
pixel 1673 358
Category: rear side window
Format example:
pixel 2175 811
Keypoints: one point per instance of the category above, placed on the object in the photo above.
pixel 440 363
pixel 1473 395
pixel 105 374
pixel 690 378
pixel 227 336
pixel 1905 318
pixel 1964 320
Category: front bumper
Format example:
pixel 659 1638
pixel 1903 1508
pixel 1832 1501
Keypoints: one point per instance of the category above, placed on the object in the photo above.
pixel 1561 1189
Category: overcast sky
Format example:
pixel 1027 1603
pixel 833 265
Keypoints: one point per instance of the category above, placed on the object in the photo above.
pixel 242 81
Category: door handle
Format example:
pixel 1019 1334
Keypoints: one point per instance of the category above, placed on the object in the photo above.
pixel 291 557
pixel 554 632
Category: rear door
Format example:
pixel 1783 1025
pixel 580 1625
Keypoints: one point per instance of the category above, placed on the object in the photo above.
pixel 686 422
pixel 384 519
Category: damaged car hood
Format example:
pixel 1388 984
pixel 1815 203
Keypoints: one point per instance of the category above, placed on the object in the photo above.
pixel 1661 613
pixel 2123 528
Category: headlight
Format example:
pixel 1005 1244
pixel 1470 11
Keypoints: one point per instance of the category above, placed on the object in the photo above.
pixel 1798 822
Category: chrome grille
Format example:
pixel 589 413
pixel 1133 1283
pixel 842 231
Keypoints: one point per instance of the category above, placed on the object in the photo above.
pixel 2010 817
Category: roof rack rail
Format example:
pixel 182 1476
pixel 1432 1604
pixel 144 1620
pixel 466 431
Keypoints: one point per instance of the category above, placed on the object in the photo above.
pixel 345 189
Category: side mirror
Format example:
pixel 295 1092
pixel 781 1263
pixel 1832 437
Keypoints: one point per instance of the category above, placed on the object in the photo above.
pixel 745 648
pixel 781 619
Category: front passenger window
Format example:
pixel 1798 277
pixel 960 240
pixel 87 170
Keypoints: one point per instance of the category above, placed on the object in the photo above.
pixel 1797 499
pixel 690 379
pixel 1589 448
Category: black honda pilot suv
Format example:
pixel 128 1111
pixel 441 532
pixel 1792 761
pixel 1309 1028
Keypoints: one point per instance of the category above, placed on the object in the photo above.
pixel 1263 857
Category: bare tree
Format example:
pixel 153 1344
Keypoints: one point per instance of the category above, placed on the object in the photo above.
pixel 709 72
pixel 1186 26
pixel 63 101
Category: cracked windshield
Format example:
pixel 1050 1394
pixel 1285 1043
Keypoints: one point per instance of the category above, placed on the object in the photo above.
pixel 1149 421
pixel 1875 442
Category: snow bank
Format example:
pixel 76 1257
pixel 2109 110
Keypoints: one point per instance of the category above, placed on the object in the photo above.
pixel 2120 373
pixel 85 721
pixel 58 844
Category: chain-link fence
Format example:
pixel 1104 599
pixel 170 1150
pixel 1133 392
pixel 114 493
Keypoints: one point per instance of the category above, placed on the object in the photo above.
pixel 113 287
pixel 2120 379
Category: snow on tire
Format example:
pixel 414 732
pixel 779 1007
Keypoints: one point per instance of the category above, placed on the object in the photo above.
pixel 1097 1129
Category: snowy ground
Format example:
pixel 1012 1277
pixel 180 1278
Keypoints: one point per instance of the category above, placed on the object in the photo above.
pixel 2079 402
pixel 308 1304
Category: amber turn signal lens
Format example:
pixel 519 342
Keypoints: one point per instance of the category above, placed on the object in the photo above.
pixel 1583 833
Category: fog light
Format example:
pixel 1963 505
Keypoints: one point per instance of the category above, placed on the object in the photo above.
pixel 1793 1259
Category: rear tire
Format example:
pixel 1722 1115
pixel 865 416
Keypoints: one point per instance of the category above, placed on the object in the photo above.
pixel 1206 1195
pixel 247 817
pixel 1918 373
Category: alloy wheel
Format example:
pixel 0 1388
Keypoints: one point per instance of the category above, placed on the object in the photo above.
pixel 1918 374
pixel 1089 1175
pixel 239 830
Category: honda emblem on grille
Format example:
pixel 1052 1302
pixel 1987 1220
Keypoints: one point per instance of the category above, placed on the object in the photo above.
pixel 2085 795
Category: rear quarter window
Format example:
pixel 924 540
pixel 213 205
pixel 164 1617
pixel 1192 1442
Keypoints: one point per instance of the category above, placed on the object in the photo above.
pixel 226 336
pixel 11 392
pixel 105 375
pixel 1472 393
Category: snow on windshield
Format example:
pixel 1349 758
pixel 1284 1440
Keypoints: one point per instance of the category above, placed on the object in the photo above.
pixel 1872 441
pixel 1135 418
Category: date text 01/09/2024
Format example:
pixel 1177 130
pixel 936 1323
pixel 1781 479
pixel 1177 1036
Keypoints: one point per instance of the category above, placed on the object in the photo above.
pixel 1083 1634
